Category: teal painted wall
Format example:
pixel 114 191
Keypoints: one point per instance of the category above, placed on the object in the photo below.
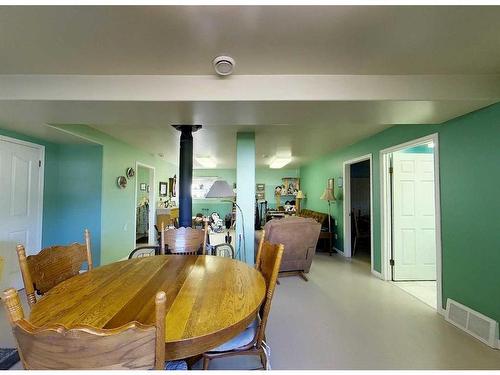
pixel 72 175
pixel 245 193
pixel 268 176
pixel 118 205
pixel 78 200
pixel 469 149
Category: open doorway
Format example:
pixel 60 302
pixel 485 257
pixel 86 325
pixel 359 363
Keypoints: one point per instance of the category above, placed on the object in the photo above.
pixel 145 205
pixel 411 225
pixel 358 208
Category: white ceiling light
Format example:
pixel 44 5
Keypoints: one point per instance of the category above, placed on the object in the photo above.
pixel 224 65
pixel 206 161
pixel 280 162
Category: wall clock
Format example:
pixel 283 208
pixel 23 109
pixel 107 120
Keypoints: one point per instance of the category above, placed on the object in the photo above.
pixel 121 182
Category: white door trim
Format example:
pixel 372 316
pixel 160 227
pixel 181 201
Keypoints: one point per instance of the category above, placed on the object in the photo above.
pixel 347 207
pixel 41 182
pixel 385 216
pixel 152 203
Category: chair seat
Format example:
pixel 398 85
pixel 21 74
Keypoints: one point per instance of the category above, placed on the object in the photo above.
pixel 243 339
pixel 176 365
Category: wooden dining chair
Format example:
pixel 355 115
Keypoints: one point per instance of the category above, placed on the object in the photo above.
pixel 55 347
pixel 144 251
pixel 52 265
pixel 252 340
pixel 185 241
pixel 259 250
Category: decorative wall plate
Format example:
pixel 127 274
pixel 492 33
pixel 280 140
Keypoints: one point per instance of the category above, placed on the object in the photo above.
pixel 121 182
pixel 130 172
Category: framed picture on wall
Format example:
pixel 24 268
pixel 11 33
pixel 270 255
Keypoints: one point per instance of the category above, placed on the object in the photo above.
pixel 291 186
pixel 163 189
pixel 260 192
pixel 142 186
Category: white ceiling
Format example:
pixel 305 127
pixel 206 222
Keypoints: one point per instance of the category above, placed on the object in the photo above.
pixel 305 129
pixel 272 46
pixel 262 39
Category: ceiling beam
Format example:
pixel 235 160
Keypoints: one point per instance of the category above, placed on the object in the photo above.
pixel 249 87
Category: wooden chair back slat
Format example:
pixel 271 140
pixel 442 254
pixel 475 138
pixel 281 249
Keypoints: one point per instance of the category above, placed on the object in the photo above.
pixel 269 265
pixel 187 241
pixel 55 347
pixel 52 265
pixel 259 250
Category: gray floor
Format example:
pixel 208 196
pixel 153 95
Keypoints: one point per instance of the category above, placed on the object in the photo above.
pixel 344 318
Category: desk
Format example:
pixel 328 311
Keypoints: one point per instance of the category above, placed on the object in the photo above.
pixel 209 299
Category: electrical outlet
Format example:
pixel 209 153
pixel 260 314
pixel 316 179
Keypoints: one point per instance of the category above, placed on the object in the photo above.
pixel 125 227
pixel 336 237
pixel 335 222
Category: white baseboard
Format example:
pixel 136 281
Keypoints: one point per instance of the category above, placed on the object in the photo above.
pixel 377 274
pixel 339 251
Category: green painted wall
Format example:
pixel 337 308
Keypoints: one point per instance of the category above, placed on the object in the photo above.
pixel 469 149
pixel 207 206
pixel 273 178
pixel 118 205
pixel 268 176
pixel 314 177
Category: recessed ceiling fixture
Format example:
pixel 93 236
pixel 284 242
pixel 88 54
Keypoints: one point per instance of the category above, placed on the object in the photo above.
pixel 280 162
pixel 206 161
pixel 224 65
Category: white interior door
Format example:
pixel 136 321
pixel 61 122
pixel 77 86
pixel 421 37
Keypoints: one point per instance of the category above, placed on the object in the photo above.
pixel 414 226
pixel 20 206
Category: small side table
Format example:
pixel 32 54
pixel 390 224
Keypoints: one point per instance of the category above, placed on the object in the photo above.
pixel 329 237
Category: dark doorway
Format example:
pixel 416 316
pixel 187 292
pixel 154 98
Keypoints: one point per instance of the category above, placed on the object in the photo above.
pixel 360 209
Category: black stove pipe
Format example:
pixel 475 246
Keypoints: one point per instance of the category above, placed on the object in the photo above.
pixel 186 173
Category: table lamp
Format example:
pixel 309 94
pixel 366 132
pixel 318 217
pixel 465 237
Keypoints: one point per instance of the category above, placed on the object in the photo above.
pixel 328 195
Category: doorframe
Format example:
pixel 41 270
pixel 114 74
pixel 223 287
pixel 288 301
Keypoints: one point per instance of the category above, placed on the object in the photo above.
pixel 41 183
pixel 152 203
pixel 385 210
pixel 346 170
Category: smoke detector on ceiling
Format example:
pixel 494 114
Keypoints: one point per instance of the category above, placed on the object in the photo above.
pixel 224 65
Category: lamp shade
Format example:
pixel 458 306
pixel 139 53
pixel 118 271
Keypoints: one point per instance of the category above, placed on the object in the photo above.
pixel 300 195
pixel 328 195
pixel 220 189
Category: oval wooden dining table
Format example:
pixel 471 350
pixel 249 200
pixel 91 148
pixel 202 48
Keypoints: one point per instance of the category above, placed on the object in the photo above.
pixel 209 299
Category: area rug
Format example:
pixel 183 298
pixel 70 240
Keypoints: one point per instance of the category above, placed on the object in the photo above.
pixel 8 358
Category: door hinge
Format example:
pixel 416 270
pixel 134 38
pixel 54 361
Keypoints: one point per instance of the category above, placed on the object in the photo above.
pixel 391 262
pixel 39 163
pixel 391 170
